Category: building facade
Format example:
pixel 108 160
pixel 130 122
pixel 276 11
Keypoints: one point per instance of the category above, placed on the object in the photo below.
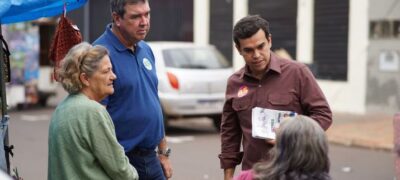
pixel 351 46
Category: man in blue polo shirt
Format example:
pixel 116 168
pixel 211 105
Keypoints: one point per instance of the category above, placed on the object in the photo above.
pixel 135 107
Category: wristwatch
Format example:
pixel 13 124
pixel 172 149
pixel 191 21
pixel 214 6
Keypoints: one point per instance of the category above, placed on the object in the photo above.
pixel 165 152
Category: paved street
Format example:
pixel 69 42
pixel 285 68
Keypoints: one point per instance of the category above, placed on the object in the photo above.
pixel 195 145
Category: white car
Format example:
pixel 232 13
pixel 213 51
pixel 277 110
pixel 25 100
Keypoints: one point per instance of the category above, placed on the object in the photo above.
pixel 191 79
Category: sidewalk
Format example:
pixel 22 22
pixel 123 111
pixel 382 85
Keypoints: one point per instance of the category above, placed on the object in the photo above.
pixel 374 131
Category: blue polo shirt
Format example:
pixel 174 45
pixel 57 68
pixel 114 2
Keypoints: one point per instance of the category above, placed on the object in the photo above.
pixel 134 107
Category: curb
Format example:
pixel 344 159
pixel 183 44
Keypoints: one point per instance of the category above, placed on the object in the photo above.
pixel 370 133
pixel 362 143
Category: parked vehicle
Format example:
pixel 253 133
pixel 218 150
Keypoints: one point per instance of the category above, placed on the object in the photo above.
pixel 46 85
pixel 192 80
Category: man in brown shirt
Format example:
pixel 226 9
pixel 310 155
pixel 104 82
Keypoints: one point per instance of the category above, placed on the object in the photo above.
pixel 266 81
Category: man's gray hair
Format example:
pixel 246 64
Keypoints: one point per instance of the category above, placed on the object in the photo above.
pixel 117 6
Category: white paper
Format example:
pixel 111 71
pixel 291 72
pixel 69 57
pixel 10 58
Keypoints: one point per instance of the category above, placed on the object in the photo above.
pixel 266 121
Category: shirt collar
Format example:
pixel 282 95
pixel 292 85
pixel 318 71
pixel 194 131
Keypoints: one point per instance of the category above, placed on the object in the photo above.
pixel 117 43
pixel 273 65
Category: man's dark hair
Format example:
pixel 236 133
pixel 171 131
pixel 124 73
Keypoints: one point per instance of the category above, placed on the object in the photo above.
pixel 248 26
pixel 117 6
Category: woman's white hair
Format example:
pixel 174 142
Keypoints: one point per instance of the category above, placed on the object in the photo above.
pixel 300 152
pixel 82 58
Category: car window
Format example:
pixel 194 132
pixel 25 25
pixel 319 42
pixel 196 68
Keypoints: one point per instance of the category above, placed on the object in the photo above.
pixel 195 58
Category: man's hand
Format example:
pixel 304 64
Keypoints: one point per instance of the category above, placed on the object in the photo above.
pixel 166 165
pixel 228 173
pixel 164 160
pixel 270 141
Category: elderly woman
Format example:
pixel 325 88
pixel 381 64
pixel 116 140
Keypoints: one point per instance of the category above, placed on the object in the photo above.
pixel 82 141
pixel 300 153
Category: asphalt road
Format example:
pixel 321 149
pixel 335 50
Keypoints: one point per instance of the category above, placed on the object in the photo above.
pixel 195 144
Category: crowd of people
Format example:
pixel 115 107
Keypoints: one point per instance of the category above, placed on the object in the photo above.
pixel 110 126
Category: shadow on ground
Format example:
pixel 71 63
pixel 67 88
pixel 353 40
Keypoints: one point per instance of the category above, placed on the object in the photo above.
pixel 190 126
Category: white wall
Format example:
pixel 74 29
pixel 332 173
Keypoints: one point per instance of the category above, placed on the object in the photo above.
pixel 384 9
pixel 305 33
pixel 350 96
pixel 201 22
pixel 240 10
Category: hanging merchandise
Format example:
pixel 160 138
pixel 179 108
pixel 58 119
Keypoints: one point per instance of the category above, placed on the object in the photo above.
pixel 67 35
pixel 12 11
pixel 6 60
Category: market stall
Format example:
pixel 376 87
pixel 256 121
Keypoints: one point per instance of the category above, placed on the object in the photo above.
pixel 13 11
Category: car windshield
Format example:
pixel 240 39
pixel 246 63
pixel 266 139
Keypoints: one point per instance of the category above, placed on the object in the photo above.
pixel 195 58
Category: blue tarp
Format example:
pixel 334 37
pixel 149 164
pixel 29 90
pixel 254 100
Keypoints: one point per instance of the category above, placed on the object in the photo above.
pixel 12 11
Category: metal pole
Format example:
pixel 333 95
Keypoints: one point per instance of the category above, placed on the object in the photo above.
pixel 4 115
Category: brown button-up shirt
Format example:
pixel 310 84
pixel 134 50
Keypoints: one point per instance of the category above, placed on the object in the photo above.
pixel 287 85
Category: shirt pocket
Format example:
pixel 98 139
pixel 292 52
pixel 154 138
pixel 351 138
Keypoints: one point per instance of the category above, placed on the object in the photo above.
pixel 241 104
pixel 280 99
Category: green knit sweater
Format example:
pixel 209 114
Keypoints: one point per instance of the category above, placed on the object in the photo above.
pixel 82 143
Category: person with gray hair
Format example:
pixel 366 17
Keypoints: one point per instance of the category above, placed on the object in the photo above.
pixel 135 106
pixel 300 153
pixel 82 140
